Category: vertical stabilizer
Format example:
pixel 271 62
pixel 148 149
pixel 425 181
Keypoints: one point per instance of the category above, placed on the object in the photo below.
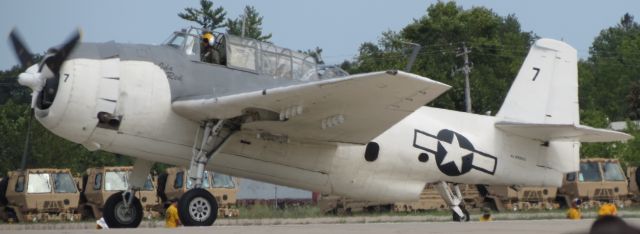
pixel 546 88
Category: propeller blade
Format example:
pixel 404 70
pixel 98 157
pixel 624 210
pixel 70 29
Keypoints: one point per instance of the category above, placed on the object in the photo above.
pixel 59 55
pixel 23 53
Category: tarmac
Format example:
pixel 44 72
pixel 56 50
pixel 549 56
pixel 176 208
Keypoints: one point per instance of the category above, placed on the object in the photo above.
pixel 494 227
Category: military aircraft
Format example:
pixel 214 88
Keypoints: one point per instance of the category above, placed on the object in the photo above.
pixel 272 114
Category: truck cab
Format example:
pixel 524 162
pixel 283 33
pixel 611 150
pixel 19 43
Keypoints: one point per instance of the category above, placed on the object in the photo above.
pixel 101 182
pixel 37 195
pixel 599 180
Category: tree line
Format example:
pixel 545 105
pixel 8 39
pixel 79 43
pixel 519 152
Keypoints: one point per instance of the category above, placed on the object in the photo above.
pixel 608 78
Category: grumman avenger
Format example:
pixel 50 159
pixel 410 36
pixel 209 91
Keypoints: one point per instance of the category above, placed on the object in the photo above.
pixel 272 114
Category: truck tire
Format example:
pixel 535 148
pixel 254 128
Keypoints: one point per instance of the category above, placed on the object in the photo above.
pixel 563 202
pixel 637 175
pixel 118 216
pixel 197 207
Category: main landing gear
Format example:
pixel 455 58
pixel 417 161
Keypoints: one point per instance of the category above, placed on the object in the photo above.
pixel 124 209
pixel 454 201
pixel 197 207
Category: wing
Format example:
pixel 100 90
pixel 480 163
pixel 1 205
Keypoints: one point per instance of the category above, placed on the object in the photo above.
pixel 353 109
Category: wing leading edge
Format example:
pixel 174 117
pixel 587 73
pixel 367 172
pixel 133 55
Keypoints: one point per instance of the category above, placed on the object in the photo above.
pixel 354 109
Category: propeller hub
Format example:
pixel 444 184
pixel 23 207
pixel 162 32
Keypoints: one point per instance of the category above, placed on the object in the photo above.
pixel 32 78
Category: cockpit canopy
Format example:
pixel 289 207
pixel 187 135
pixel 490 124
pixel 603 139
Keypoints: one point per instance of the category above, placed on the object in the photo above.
pixel 255 56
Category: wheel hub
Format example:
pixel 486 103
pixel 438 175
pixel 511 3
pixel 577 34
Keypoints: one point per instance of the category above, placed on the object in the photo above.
pixel 199 209
pixel 125 214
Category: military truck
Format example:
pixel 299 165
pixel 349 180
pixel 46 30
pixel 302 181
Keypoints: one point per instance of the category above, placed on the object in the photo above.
pixel 514 198
pixel 599 180
pixel 174 183
pixel 39 195
pixel 101 182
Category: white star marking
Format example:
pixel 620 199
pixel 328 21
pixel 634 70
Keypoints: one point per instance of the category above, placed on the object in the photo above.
pixel 454 152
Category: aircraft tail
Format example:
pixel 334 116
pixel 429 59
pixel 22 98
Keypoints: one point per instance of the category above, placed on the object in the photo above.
pixel 542 105
pixel 545 90
pixel 543 100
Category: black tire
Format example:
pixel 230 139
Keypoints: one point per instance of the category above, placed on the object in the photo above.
pixel 197 207
pixel 637 175
pixel 457 218
pixel 11 214
pixel 3 190
pixel 117 216
pixel 563 202
pixel 87 213
pixel 491 204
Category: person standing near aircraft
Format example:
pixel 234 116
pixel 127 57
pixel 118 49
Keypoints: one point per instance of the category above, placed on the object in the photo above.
pixel 172 220
pixel 574 212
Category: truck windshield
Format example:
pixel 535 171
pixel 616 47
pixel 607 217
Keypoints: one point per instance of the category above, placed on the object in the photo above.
pixel 590 171
pixel 116 180
pixel 39 183
pixel 612 171
pixel 222 181
pixel 63 183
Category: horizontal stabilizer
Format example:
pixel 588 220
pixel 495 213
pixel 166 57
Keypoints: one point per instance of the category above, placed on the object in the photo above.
pixel 559 132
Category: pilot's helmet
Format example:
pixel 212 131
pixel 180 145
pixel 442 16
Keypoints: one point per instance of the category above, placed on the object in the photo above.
pixel 208 38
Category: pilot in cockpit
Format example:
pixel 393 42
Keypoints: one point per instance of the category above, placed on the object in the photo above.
pixel 208 52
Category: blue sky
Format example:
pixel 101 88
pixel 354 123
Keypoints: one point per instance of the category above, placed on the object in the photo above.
pixel 337 26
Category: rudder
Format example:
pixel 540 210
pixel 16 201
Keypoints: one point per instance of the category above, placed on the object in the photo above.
pixel 545 90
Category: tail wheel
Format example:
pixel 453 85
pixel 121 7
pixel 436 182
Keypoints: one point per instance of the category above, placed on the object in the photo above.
pixel 118 215
pixel 457 218
pixel 197 207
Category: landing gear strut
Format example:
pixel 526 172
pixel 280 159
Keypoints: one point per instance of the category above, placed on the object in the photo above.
pixel 197 207
pixel 454 200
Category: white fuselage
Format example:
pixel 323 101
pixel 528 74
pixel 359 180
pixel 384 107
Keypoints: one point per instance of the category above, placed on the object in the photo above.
pixel 139 92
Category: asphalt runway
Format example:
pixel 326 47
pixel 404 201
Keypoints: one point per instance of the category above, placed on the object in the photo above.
pixel 495 227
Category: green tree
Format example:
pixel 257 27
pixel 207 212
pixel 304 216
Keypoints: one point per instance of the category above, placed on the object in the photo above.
pixel 498 46
pixel 252 25
pixel 608 76
pixel 207 17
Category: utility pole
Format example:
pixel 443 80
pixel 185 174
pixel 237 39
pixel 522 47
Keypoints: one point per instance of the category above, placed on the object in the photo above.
pixel 466 69
pixel 244 18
